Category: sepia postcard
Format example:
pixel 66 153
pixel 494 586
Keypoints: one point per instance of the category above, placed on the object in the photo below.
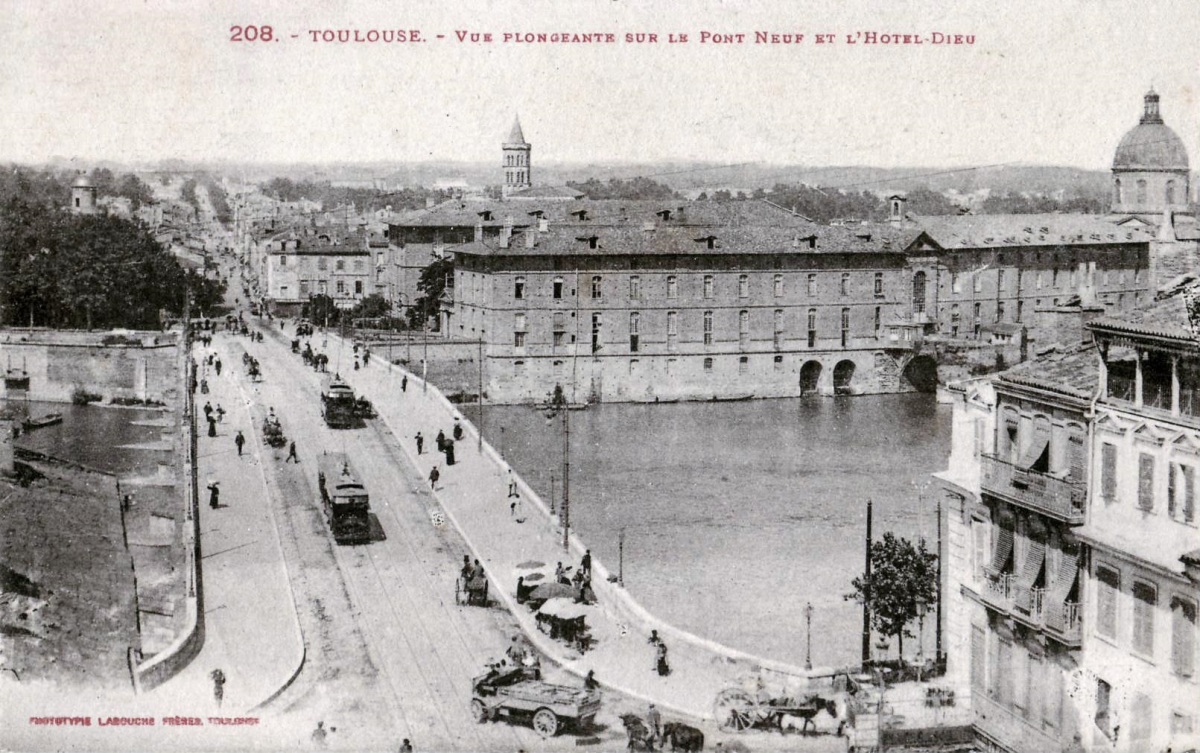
pixel 517 375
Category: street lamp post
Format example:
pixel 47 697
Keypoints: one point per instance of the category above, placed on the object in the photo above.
pixel 921 608
pixel 621 559
pixel 808 610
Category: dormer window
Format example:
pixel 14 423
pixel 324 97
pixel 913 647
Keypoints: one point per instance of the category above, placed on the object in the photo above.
pixel 581 215
pixel 710 241
pixel 486 215
pixel 665 214
pixel 593 241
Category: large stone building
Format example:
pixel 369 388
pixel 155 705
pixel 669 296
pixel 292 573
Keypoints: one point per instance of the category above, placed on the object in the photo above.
pixel 308 261
pixel 664 300
pixel 1073 551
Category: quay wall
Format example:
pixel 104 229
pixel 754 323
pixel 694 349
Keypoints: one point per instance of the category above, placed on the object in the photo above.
pixel 127 366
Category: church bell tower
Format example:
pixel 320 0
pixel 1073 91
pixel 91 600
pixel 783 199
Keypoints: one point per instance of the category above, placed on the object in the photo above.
pixel 518 173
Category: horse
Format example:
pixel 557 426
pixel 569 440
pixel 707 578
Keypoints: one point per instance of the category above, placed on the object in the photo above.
pixel 683 737
pixel 639 734
pixel 799 718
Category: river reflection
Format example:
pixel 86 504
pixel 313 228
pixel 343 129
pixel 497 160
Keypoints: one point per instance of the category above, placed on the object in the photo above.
pixel 738 514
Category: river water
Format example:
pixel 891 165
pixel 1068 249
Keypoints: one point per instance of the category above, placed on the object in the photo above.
pixel 736 515
pixel 103 438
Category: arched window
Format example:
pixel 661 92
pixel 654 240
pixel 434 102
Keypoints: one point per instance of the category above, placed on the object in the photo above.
pixel 918 299
pixel 1141 192
pixel 1170 192
pixel 1117 198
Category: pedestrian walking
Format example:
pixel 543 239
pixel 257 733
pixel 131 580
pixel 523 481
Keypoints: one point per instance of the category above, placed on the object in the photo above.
pixel 406 746
pixel 457 433
pixel 214 495
pixel 217 366
pixel 434 475
pixel 404 383
pixel 318 735
pixel 240 441
pixel 449 450
pixel 212 427
pixel 512 484
pixel 292 453
pixel 208 409
pixel 366 357
pixel 218 678
pixel 585 565
pixel 660 660
pixel 420 443
pixel 356 364
pixel 441 441
pixel 654 722
pixel 220 413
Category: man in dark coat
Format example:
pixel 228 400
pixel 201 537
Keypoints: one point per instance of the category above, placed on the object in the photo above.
pixel 240 441
pixel 214 495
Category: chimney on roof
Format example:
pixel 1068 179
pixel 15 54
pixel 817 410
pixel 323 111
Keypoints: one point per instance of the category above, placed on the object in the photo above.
pixel 506 233
pixel 504 239
pixel 478 230
pixel 543 225
pixel 530 238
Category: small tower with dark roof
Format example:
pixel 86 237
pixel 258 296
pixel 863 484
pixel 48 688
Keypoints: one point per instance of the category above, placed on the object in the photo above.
pixel 518 172
pixel 83 195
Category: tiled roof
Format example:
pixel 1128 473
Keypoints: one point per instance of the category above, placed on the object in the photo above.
pixel 1006 230
pixel 669 212
pixel 1174 317
pixel 1072 371
pixel 548 192
pixel 576 240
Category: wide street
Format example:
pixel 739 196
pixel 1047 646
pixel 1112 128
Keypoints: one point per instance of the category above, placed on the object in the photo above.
pixel 388 653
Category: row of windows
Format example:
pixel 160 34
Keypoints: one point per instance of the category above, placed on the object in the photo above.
pixel 323 263
pixel 322 287
pixel 1181 483
pixel 1169 192
pixel 708 364
pixel 559 324
pixel 1053 278
pixel 1113 612
pixel 708 286
pixel 515 160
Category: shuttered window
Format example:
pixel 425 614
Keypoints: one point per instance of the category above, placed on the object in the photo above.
pixel 1144 600
pixel 1108 586
pixel 1108 472
pixel 1183 636
pixel 1076 457
pixel 978 657
pixel 1145 481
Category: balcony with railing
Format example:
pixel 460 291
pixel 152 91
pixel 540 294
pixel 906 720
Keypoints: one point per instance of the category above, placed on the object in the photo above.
pixel 1054 497
pixel 999 592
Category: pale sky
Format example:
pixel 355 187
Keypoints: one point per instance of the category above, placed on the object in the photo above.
pixel 1045 82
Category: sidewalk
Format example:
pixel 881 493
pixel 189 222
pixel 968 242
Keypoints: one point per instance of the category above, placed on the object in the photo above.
pixel 473 493
pixel 252 633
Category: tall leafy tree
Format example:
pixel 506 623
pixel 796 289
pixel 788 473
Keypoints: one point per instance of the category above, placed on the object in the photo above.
pixel 902 576
pixel 434 280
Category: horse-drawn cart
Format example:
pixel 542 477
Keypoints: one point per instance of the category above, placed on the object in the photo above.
pixel 273 432
pixel 742 708
pixel 513 694
pixel 471 590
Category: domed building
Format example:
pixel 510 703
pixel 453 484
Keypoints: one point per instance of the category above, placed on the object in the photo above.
pixel 83 195
pixel 1150 168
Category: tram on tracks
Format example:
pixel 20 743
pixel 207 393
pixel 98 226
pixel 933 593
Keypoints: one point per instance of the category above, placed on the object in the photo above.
pixel 344 499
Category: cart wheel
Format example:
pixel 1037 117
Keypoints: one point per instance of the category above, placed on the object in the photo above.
pixel 545 723
pixel 734 709
pixel 479 712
